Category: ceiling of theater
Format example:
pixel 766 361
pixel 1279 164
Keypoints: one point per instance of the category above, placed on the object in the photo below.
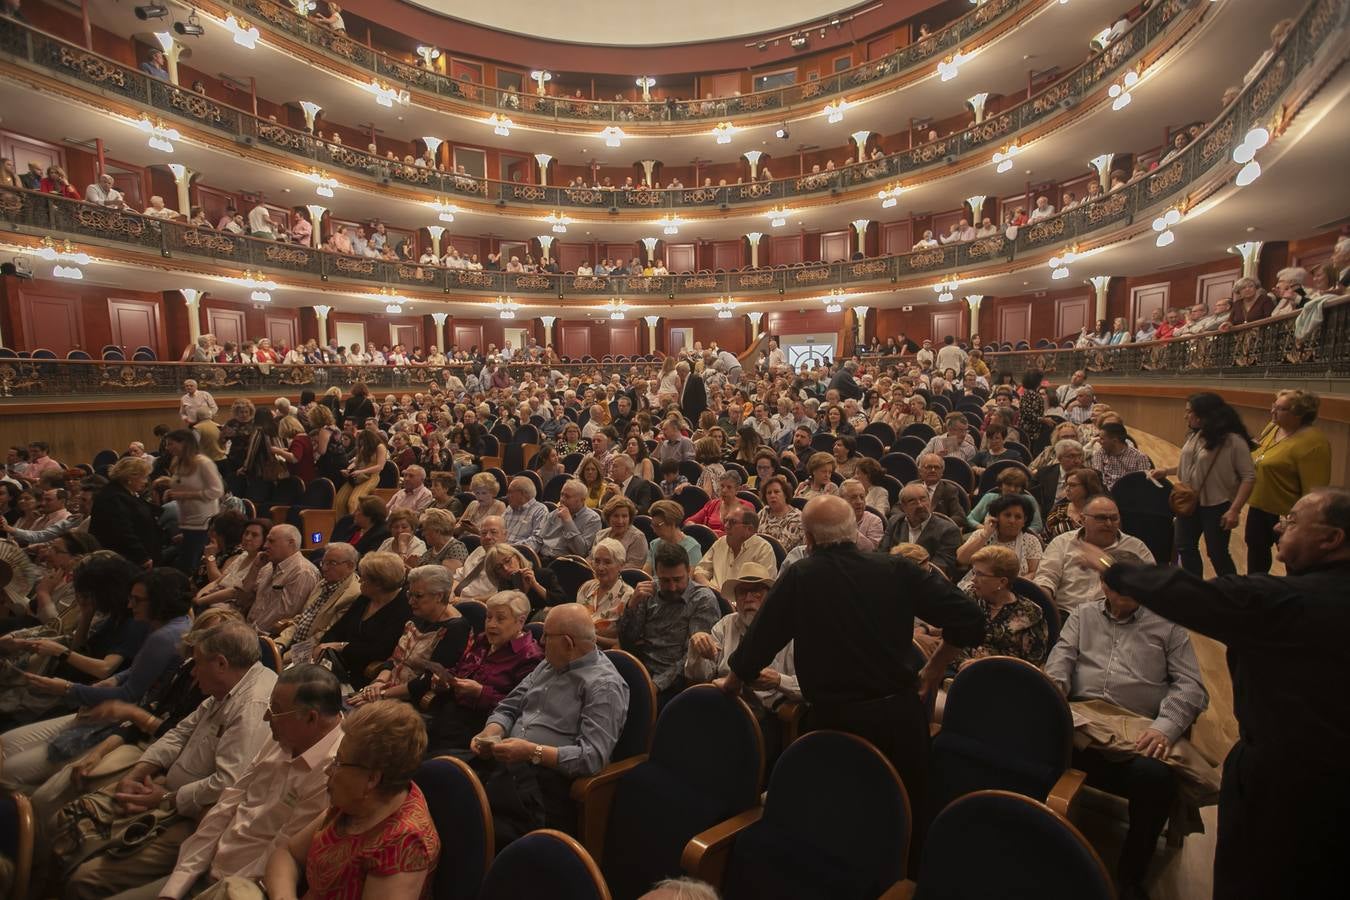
pixel 626 24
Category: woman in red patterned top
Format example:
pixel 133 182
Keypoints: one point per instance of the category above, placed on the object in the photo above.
pixel 377 837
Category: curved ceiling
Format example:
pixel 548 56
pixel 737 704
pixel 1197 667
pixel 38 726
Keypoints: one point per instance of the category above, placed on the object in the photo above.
pixel 621 23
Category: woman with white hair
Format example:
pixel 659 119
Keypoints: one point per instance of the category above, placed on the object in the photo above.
pixel 509 570
pixel 459 700
pixel 606 595
pixel 1289 288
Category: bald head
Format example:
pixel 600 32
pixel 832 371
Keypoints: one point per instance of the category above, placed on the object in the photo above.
pixel 829 520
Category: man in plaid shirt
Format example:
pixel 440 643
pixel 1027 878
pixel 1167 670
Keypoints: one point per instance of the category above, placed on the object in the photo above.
pixel 1115 457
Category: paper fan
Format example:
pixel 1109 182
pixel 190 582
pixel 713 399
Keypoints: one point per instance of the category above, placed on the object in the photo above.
pixel 17 575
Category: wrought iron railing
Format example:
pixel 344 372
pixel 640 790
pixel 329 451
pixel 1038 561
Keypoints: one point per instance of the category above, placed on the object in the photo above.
pixel 1258 352
pixel 998 130
pixel 280 17
pixel 41 214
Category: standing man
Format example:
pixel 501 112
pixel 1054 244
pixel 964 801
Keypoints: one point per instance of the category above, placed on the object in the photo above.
pixel 693 393
pixel 852 655
pixel 193 400
pixel 1285 790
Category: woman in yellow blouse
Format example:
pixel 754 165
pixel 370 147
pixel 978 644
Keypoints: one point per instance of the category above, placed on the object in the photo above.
pixel 1291 459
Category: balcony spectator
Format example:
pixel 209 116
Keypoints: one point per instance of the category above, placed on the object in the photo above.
pixel 8 177
pixel 156 66
pixel 1168 329
pixel 32 179
pixel 1179 142
pixel 1120 333
pixel 333 20
pixel 227 218
pixel 301 229
pixel 1289 288
pixel 198 219
pixel 341 241
pixel 260 222
pixel 965 231
pixel 1043 209
pixel 102 193
pixel 358 241
pixel 1147 329
pixel 953 235
pixel 987 228
pixel 1250 302
pixel 1069 202
pixel 56 182
pixel 157 209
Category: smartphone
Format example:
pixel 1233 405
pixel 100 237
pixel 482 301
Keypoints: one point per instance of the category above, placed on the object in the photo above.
pixel 490 740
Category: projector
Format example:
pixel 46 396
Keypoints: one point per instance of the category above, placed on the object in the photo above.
pixel 191 28
pixel 150 11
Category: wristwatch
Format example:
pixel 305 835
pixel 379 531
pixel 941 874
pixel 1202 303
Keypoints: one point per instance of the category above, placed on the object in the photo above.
pixel 537 757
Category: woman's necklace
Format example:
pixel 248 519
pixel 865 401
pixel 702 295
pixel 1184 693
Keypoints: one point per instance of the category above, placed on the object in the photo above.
pixel 1277 442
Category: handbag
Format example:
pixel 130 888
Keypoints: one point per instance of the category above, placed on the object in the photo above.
pixel 1184 499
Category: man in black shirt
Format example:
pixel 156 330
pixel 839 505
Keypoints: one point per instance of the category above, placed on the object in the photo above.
pixel 851 615
pixel 1286 792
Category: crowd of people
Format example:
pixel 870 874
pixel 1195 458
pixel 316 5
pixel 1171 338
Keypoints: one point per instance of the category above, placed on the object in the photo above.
pixel 686 493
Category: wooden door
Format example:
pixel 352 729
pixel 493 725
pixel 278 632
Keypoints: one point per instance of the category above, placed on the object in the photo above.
pixel 576 341
pixel 407 335
pixel 623 339
pixel 53 323
pixel 945 322
pixel 514 248
pixel 1014 323
pixel 516 169
pixel 135 323
pixel 212 201
pixel 786 250
pixel 466 70
pixel 727 254
pixel 834 246
pixel 1146 298
pixel 280 330
pixel 680 339
pixel 23 150
pixel 1072 314
pixel 226 325
pixel 623 252
pixel 897 237
pixel 680 258
pixel 469 337
pixel 1209 289
pixel 569 256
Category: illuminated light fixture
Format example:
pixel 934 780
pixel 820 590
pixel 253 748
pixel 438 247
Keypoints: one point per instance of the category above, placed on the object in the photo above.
pixel 725 307
pixel 323 183
pixel 75 273
pixel 1004 158
pixel 445 210
pixel 672 224
pixel 1120 91
pixel 834 300
pixel 501 125
pixel 1250 172
pixel 540 78
pixel 160 136
pixel 393 309
pixel 1059 265
pixel 245 35
pixel 260 285
pixel 428 54
pixel 390 296
pixel 617 309
pixel 558 221
pixel 723 131
pixel 946 290
pixel 834 112
pixel 1163 225
pixel 1245 153
pixel 950 67
pixel 65 251
pixel 165 40
pixel 777 217
pixel 386 95
pixel 613 135
pixel 888 195
pixel 304 7
pixel 646 82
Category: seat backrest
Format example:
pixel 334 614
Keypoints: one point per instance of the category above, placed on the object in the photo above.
pixel 643 523
pixel 525 434
pixel 501 431
pixel 919 430
pixel 989 477
pixel 909 444
pixel 634 577
pixel 1145 513
pixel 459 808
pixel 17 832
pixel 268 653
pixel 43 354
pixel 1026 851
pixel 113 356
pixel 1029 589
pixel 318 494
pixel 870 445
pixel 836 798
pixel 513 458
pixel 691 499
pixel 502 480
pixel 389 475
pixel 705 536
pixel 901 465
pixel 1005 727
pixel 752 498
pixel 954 468
pixel 553 490
pixel 78 354
pixel 474 612
pixel 544 863
pixel 691 470
pixel 704 716
pixel 640 724
pixel 882 432
pixel 572 573
pixel 571 461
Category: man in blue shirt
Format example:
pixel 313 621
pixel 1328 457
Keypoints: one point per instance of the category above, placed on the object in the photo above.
pixel 156 66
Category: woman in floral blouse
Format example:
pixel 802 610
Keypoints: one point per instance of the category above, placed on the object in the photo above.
pixel 1017 626
pixel 779 519
pixel 606 595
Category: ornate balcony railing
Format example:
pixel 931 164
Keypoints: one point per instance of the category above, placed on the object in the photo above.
pixel 998 130
pixel 280 17
pixel 1254 353
pixel 42 214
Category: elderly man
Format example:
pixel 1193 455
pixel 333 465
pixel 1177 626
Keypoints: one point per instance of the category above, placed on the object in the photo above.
pixel 1079 410
pixel 157 209
pixel 1291 730
pixel 1131 667
pixel 728 365
pixel 925 357
pixel 1065 393
pixel 52 506
pixel 415 494
pixel 525 516
pixel 280 794
pixel 740 546
pixel 187 770
pixel 851 654
pixel 283 584
pixel 662 615
pixel 194 400
pixel 871 530
pixel 571 528
pixel 1043 209
pixel 473 583
pixel 102 193
pixel 1115 457
pixel 560 723
pixel 916 523
pixel 640 491
pixel 943 496
pixel 336 591
pixel 955 441
pixel 1070 586
pixel 844 382
pixel 1048 482
pixel 674 445
pixel 595 422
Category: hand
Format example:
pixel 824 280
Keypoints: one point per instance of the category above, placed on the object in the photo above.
pixel 370 693
pixel 479 746
pixel 930 680
pixel 1157 474
pixel 643 591
pixel 729 684
pixel 1152 744
pixel 82 766
pixel 928 643
pixel 564 513
pixel 990 526
pixel 1090 557
pixel 47 685
pixel 1229 520
pixel 768 680
pixel 111 711
pixel 46 647
pixel 527 579
pixel 703 644
pixel 513 750
pixel 140 796
pixel 466 689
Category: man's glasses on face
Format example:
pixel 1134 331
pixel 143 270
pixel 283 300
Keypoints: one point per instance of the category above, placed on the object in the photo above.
pixel 1104 518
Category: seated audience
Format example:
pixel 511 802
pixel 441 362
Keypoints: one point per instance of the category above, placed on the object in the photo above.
pixel 1080 485
pixel 570 529
pixel 618 516
pixel 606 595
pixel 661 616
pixel 779 519
pixel 283 584
pixel 366 634
pixel 1115 456
pixel 1071 586
pixel 944 495
pixel 1005 525
pixel 1016 626
pixel 328 602
pixel 1010 481
pixel 739 546
pixel 917 524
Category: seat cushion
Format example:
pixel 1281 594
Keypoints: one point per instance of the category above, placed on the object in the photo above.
pixel 775 863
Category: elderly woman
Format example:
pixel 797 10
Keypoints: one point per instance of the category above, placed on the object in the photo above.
pixel 778 518
pixel 618 517
pixel 377 838
pixel 869 472
pixel 442 547
pixel 484 487
pixel 571 440
pixel 508 570
pixel 819 471
pixel 1015 626
pixel 1080 486
pixel 1291 458
pixel 1005 526
pixel 708 453
pixel 369 631
pixel 871 528
pixel 1010 481
pixel 606 595
pixel 122 521
pixel 239 569
pixel 459 698
pixel 715 511
pixel 403 539
pixel 667 515
pixel 436 633
pixel 371 521
pixel 919 413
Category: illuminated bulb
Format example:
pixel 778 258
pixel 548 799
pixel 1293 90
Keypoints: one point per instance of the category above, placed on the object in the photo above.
pixel 1131 79
pixel 74 273
pixel 613 135
pixel 261 296
pixel 1166 238
pixel 1243 154
pixel 885 204
pixel 1257 138
pixel 1172 216
pixel 1059 273
pixel 1004 166
pixel 1121 102
pixel 1250 172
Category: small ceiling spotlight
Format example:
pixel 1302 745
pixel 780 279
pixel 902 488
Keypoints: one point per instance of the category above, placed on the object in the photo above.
pixel 147 11
pixel 193 26
pixel 782 133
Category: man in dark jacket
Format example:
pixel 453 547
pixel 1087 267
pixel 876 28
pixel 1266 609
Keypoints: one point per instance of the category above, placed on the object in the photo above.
pixel 844 382
pixel 642 492
pixel 694 394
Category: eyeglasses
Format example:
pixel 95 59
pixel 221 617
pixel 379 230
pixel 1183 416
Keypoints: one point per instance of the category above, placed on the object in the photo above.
pixel 1103 518
pixel 272 713
pixel 334 764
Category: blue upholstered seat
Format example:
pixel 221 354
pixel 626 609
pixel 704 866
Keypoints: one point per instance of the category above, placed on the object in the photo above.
pixel 544 863
pixel 459 807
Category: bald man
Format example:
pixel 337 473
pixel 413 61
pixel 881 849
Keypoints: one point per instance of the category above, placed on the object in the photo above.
pixel 852 648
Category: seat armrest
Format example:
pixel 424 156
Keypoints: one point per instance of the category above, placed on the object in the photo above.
pixel 901 890
pixel 790 714
pixel 594 797
pixel 706 855
pixel 279 514
pixel 1064 795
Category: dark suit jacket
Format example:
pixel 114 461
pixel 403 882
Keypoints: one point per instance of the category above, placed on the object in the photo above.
pixel 941 537
pixel 642 492
pixel 847 386
pixel 1044 484
pixel 946 500
pixel 125 524
pixel 694 398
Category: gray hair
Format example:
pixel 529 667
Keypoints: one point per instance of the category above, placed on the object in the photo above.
pixel 1293 275
pixel 686 889
pixel 1064 446
pixel 517 602
pixel 202 415
pixel 287 531
pixel 316 688
pixel 436 577
pixel 1246 283
pixel 341 549
pixel 843 531
pixel 236 641
pixel 573 487
pixel 614 548
pixel 525 485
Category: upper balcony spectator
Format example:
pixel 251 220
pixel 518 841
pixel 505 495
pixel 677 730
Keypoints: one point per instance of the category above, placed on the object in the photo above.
pixel 156 66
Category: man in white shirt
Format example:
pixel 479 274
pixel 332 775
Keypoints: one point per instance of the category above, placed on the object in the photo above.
pixel 739 547
pixel 415 495
pixel 260 222
pixel 284 582
pixel 777 358
pixel 1069 585
pixel 157 209
pixel 194 400
pixel 951 356
pixel 925 355
pixel 103 193
pixel 280 794
pixel 1043 209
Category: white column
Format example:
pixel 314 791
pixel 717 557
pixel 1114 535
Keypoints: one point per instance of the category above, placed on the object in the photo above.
pixel 650 243
pixel 754 318
pixel 1099 284
pixel 321 313
pixel 543 159
pixel 171 50
pixel 648 167
pixel 1250 252
pixel 976 104
pixel 316 224
pixel 192 298
pixel 860 228
pixel 753 237
pixel 976 207
pixel 311 111
pixel 548 328
pixel 1102 166
pixel 973 301
pixel 439 319
pixel 860 320
pixel 752 157
pixel 182 179
pixel 545 244
pixel 860 141
pixel 651 332
pixel 436 231
pixel 646 82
